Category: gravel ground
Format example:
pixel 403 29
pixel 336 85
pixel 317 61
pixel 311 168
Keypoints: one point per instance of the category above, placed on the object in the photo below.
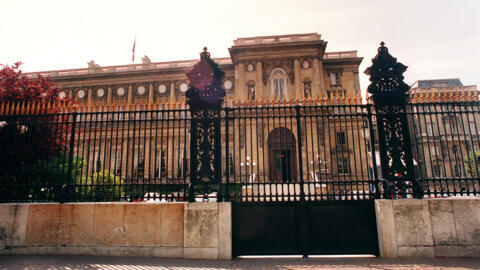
pixel 124 263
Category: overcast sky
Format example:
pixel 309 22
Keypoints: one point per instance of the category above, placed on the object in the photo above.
pixel 435 38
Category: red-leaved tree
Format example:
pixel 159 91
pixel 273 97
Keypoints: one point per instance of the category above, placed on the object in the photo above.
pixel 28 138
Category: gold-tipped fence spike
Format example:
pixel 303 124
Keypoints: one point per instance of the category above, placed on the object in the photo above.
pixel 10 108
pixel 17 109
pixel 470 94
pixel 50 107
pixel 452 97
pixel 44 107
pixel 28 108
pixel 463 96
pixel 22 108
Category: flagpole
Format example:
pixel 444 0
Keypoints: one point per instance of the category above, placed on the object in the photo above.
pixel 133 49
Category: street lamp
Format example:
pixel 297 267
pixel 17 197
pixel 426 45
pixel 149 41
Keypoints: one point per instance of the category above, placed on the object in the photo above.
pixel 247 165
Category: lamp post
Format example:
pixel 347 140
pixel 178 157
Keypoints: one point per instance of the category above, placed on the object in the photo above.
pixel 322 166
pixel 247 165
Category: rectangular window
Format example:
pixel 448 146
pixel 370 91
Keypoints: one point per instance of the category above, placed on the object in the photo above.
pixel 340 138
pixel 458 170
pixel 429 129
pixel 160 163
pixel 335 79
pixel 231 165
pixel 140 164
pixel 116 161
pixel 437 170
pixel 343 165
pixel 97 165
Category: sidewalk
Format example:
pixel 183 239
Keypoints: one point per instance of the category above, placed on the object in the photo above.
pixel 121 263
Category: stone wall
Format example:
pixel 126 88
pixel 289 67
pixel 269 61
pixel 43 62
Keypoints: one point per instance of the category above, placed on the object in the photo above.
pixel 429 227
pixel 172 230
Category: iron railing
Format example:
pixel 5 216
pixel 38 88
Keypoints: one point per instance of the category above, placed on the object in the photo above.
pixel 318 150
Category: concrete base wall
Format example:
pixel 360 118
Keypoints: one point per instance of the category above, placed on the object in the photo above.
pixel 171 230
pixel 428 227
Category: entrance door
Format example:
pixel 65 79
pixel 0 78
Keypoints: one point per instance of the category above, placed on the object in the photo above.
pixel 282 155
pixel 282 165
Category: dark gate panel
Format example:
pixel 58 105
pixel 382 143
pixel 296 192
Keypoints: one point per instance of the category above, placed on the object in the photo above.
pixel 344 227
pixel 263 229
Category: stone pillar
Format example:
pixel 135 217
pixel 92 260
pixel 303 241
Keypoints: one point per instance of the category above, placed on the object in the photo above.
pixel 259 91
pixel 124 158
pixel 129 94
pixel 150 93
pixel 89 96
pixel 172 90
pixel 316 80
pixel 146 158
pixel 240 81
pixel 321 78
pixel 298 91
pixel 109 95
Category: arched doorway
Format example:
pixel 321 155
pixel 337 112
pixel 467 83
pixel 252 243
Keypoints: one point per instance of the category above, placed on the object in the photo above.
pixel 282 155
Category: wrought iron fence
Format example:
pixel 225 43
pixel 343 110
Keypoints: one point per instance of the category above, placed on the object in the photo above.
pixel 316 150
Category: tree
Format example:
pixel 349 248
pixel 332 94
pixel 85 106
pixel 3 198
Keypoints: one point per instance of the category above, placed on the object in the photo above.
pixel 470 162
pixel 28 139
pixel 17 87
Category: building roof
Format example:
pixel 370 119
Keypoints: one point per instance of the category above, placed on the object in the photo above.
pixel 225 62
pixel 455 82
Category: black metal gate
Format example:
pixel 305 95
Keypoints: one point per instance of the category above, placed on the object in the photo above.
pixel 313 228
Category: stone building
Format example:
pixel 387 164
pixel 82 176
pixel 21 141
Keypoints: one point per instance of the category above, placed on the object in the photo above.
pixel 260 70
pixel 445 135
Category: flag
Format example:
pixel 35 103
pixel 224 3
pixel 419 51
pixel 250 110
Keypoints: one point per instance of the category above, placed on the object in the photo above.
pixel 133 49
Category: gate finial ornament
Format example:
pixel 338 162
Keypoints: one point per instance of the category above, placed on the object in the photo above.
pixel 206 87
pixel 386 77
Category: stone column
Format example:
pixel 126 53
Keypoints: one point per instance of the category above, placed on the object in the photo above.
pixel 89 95
pixel 298 88
pixel 129 94
pixel 146 158
pixel 150 93
pixel 259 91
pixel 124 167
pixel 172 90
pixel 240 81
pixel 316 86
pixel 321 78
pixel 109 95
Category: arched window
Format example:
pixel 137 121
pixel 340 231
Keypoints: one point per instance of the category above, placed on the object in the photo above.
pixel 279 83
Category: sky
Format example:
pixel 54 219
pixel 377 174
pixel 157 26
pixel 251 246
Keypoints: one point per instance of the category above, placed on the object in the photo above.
pixel 434 38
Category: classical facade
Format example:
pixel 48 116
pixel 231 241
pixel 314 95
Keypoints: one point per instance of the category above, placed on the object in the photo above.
pixel 260 70
pixel 445 134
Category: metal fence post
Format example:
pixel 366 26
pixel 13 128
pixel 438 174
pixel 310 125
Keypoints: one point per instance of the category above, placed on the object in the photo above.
pixel 299 145
pixel 390 98
pixel 68 186
pixel 227 157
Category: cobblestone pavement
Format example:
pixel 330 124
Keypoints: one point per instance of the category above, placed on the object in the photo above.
pixel 123 263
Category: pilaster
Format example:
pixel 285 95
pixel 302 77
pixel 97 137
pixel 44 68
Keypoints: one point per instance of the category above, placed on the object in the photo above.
pixel 260 92
pixel 298 93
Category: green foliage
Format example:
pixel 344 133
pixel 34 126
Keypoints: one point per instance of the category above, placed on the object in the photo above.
pixel 470 163
pixel 101 186
pixel 44 179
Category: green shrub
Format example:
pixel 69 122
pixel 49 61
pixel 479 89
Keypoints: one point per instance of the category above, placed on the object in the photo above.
pixel 101 186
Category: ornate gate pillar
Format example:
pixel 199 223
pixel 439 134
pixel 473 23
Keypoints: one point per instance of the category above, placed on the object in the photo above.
pixel 390 97
pixel 205 98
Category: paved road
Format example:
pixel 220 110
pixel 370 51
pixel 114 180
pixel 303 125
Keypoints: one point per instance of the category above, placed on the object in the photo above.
pixel 122 263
